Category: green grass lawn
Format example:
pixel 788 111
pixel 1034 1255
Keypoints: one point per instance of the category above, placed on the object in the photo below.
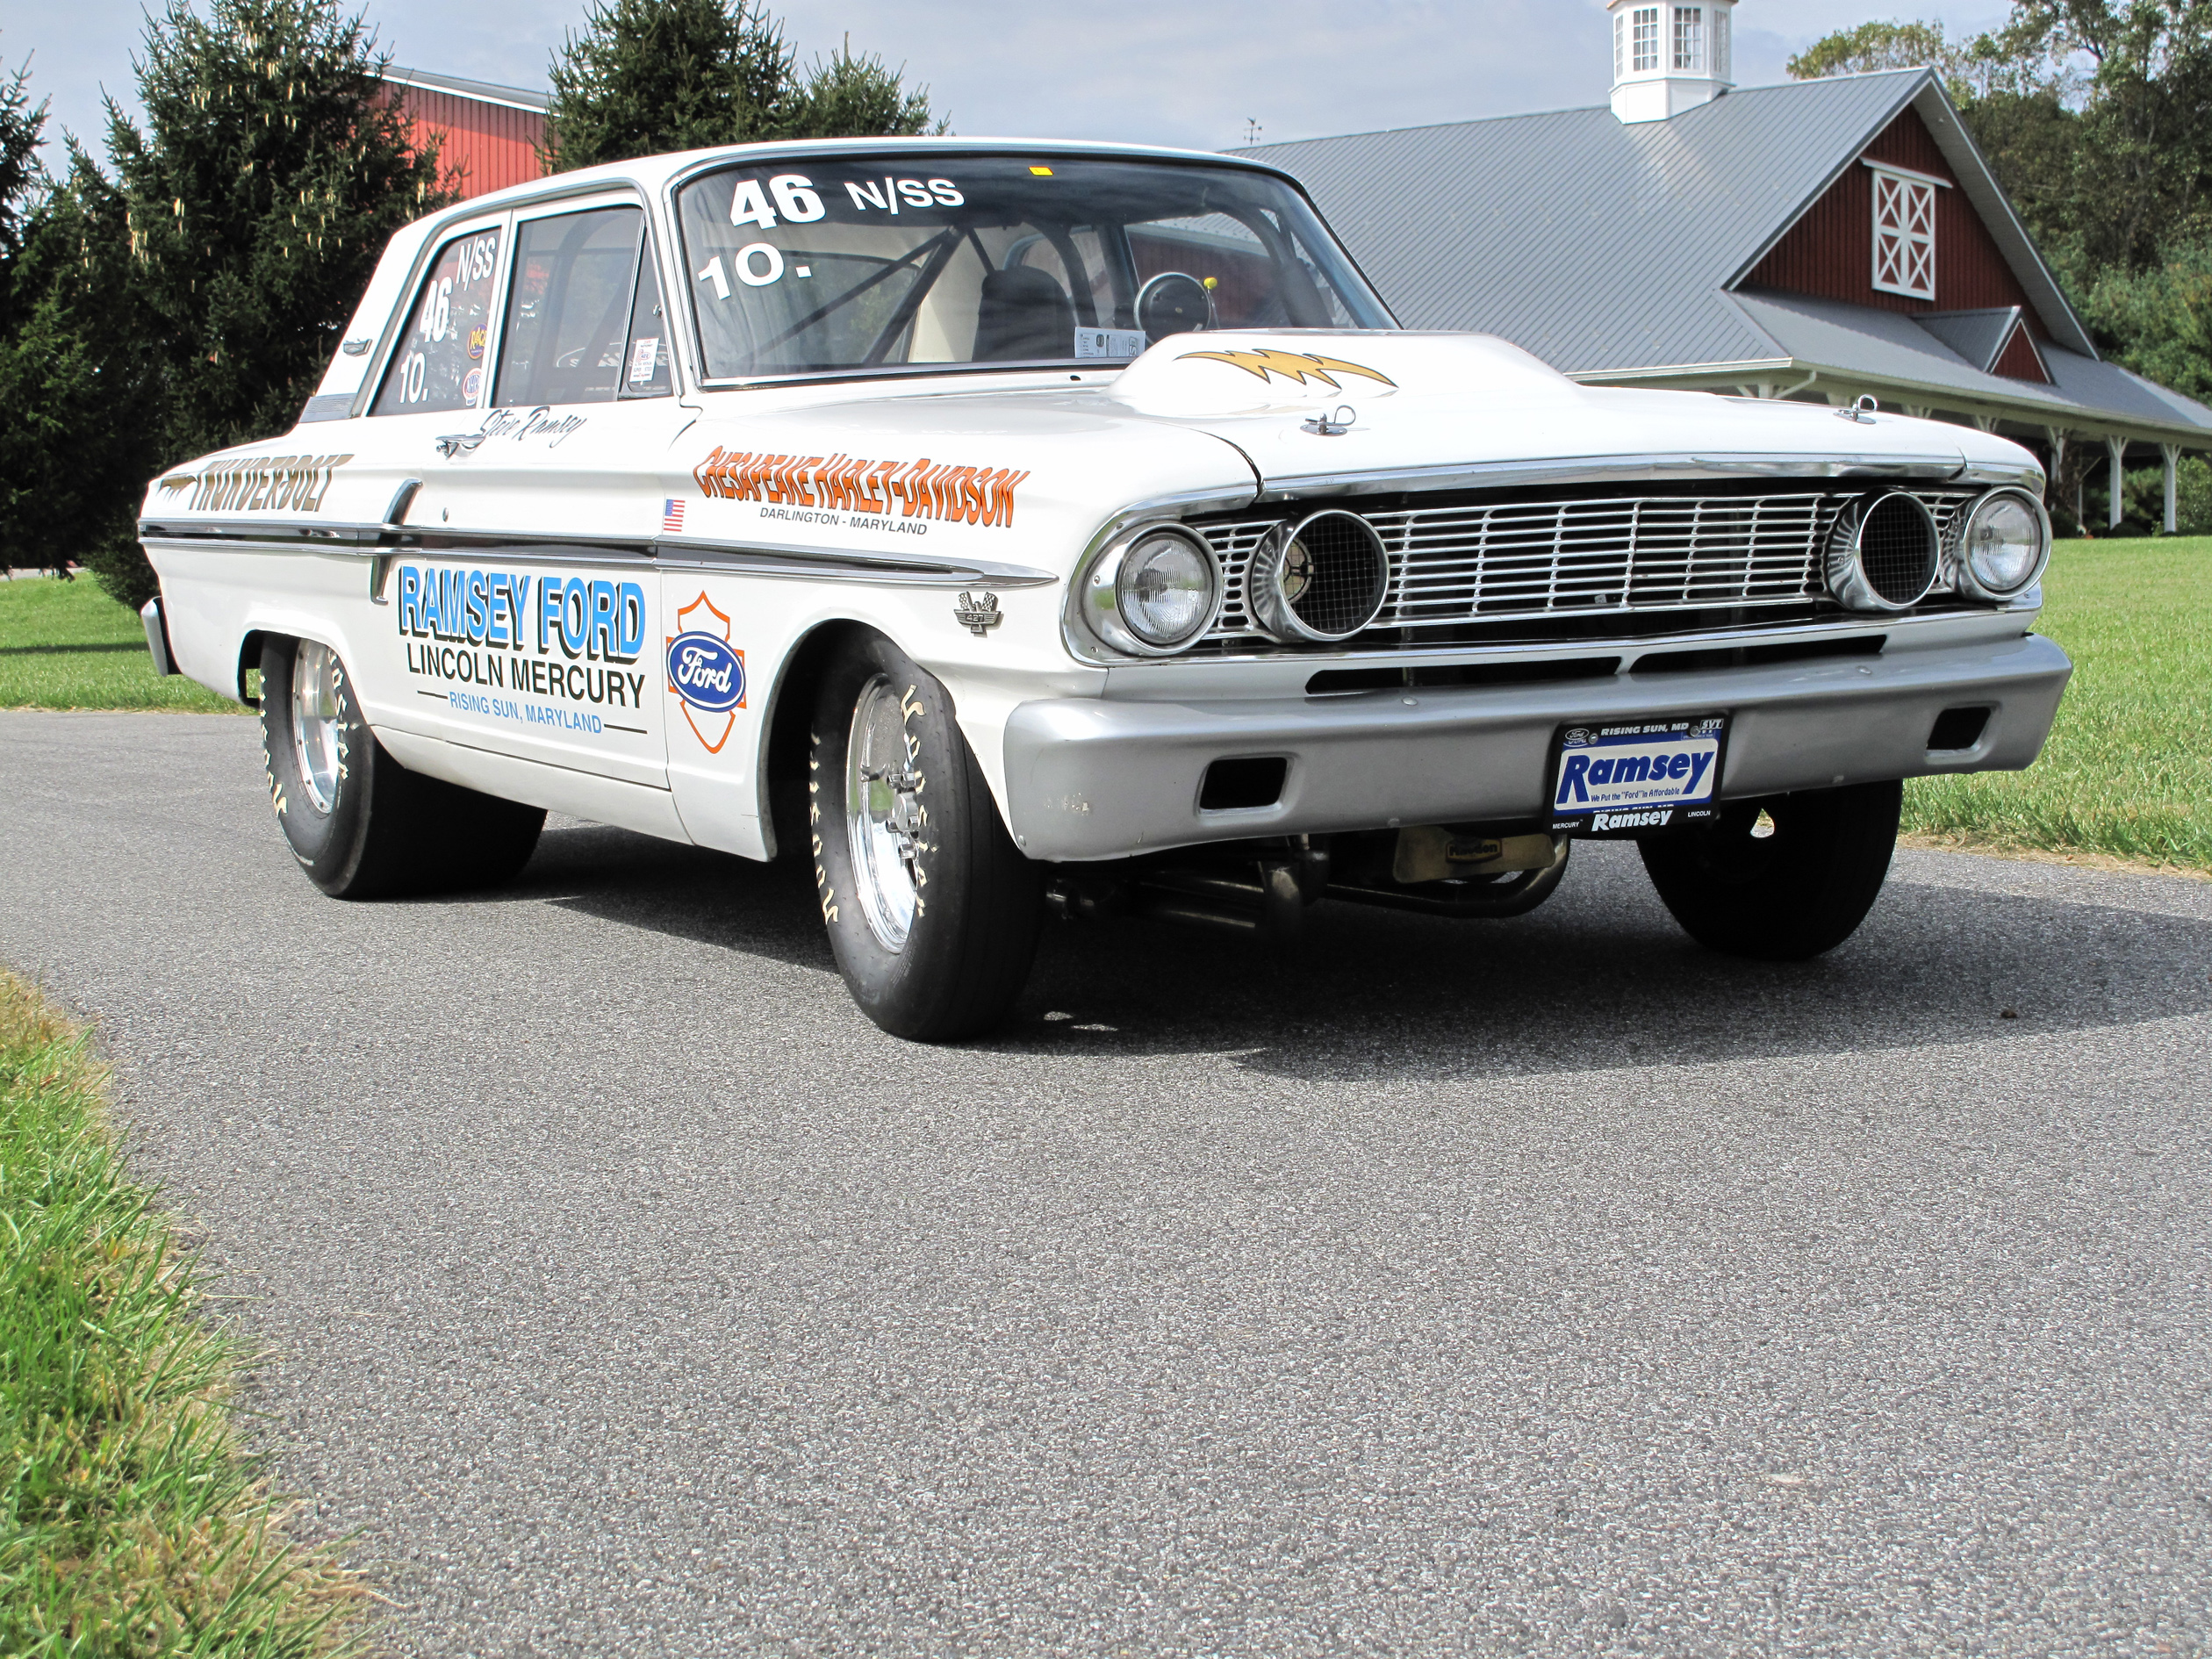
pixel 2126 772
pixel 68 645
pixel 131 1521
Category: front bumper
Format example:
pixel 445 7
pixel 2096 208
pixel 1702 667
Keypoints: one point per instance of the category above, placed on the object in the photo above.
pixel 1090 778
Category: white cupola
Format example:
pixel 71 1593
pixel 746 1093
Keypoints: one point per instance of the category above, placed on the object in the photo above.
pixel 1669 57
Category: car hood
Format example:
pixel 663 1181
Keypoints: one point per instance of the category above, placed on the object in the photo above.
pixel 1311 408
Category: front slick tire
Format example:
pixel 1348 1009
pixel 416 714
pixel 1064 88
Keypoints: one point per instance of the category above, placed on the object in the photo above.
pixel 360 824
pixel 1786 896
pixel 932 912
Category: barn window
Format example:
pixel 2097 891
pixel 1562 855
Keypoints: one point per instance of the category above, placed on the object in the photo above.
pixel 1644 39
pixel 1689 38
pixel 1904 235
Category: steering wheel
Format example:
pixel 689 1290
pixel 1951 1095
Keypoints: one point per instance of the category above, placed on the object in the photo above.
pixel 1174 303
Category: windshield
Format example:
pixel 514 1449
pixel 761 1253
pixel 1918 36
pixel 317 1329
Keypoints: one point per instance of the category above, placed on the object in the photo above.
pixel 806 266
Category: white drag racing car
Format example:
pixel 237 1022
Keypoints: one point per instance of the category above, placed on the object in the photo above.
pixel 1008 529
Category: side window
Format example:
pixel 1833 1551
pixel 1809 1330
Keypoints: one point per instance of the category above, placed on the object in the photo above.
pixel 568 317
pixel 645 371
pixel 440 362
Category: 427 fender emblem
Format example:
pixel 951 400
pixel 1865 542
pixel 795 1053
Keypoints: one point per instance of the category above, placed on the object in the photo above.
pixel 978 613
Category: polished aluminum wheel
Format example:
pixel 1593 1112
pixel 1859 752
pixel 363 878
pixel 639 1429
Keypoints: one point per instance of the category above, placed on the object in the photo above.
pixel 884 816
pixel 316 728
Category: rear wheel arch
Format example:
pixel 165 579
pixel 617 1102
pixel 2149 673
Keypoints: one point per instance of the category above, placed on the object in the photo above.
pixel 249 658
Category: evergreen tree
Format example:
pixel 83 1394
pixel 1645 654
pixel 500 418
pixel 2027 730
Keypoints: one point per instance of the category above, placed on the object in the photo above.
pixel 246 220
pixel 850 97
pixel 22 127
pixel 80 390
pixel 259 200
pixel 649 76
pixel 58 431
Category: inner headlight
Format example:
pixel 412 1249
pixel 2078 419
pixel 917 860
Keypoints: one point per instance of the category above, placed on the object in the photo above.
pixel 1152 593
pixel 2004 544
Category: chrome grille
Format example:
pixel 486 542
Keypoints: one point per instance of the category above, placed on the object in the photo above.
pixel 1454 566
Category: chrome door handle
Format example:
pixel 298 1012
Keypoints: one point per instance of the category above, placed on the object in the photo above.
pixel 459 443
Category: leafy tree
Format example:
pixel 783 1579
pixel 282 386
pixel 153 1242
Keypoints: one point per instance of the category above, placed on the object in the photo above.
pixel 649 76
pixel 2140 73
pixel 1871 47
pixel 2160 319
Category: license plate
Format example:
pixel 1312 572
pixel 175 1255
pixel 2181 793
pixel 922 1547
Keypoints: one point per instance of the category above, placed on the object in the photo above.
pixel 1620 776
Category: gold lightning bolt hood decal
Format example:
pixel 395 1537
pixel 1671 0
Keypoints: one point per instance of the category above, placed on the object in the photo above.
pixel 1291 365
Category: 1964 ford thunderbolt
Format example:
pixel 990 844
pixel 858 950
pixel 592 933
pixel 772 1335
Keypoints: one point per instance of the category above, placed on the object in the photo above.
pixel 1007 529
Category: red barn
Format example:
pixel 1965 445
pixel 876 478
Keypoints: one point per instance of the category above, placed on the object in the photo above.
pixel 490 134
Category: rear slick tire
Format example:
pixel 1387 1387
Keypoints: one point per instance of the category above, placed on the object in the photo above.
pixel 931 910
pixel 361 825
pixel 1784 895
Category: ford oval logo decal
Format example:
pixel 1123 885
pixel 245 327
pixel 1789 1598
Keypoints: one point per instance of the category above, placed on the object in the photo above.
pixel 705 672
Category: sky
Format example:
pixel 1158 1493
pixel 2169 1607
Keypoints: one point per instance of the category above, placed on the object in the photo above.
pixel 1166 71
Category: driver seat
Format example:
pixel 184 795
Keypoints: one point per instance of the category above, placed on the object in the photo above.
pixel 1024 315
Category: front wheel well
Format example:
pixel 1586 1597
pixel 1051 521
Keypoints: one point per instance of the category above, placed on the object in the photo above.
pixel 790 740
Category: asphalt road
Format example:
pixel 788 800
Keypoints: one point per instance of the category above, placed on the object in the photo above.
pixel 1541 1286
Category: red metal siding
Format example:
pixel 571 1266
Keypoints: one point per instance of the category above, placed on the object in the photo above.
pixel 1830 253
pixel 2019 360
pixel 484 147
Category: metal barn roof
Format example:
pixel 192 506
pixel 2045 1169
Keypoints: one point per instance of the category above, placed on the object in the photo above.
pixel 1613 250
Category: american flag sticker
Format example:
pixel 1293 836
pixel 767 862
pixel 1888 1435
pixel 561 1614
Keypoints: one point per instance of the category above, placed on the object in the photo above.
pixel 671 515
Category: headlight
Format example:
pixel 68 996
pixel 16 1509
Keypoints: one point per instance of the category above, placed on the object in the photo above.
pixel 1153 592
pixel 2003 547
pixel 1320 580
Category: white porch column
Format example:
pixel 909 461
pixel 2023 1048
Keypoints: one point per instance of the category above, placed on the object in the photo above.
pixel 2058 436
pixel 2172 453
pixel 2118 449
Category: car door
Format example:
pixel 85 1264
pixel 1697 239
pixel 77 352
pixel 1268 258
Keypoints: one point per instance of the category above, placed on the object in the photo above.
pixel 533 604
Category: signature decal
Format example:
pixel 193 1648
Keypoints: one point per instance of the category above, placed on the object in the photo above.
pixel 1291 365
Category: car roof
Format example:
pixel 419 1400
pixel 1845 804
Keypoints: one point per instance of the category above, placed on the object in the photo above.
pixel 652 172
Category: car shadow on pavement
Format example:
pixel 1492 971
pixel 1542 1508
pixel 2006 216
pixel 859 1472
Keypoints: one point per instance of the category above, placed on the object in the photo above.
pixel 690 892
pixel 1600 977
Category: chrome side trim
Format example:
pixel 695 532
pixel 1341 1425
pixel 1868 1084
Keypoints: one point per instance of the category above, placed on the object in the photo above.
pixel 1639 469
pixel 820 563
pixel 334 535
pixel 381 543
